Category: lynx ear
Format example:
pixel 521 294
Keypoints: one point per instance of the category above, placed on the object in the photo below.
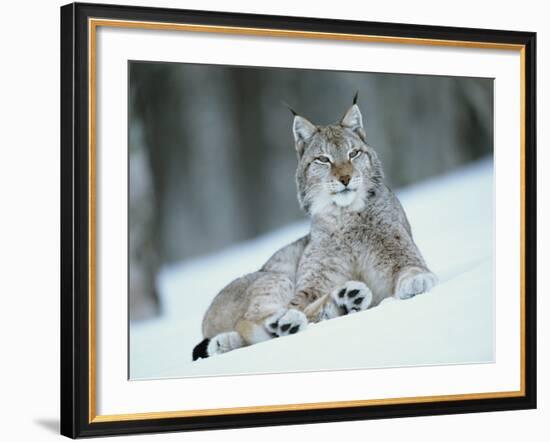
pixel 303 130
pixel 354 121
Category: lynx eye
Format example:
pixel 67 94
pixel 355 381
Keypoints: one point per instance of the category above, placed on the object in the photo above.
pixel 323 159
pixel 354 154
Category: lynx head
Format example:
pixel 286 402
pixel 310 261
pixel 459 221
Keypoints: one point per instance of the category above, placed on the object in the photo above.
pixel 337 170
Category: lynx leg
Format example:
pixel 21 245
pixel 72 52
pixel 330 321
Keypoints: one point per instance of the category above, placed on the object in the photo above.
pixel 221 343
pixel 246 333
pixel 414 281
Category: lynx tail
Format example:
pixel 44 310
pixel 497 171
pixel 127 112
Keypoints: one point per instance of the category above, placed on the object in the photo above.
pixel 200 350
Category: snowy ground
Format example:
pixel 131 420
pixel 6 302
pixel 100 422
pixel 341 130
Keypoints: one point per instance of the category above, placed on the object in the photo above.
pixel 451 218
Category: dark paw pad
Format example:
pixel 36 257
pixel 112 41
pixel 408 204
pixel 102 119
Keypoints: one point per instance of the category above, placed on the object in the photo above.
pixel 289 323
pixel 353 297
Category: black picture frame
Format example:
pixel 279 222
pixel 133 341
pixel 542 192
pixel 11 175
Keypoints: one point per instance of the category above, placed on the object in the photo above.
pixel 75 221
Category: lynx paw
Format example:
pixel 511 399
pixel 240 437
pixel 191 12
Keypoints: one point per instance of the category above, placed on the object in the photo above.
pixel 415 282
pixel 286 323
pixel 223 343
pixel 353 297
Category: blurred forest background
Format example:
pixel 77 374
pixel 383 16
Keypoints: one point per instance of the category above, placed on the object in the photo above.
pixel 212 158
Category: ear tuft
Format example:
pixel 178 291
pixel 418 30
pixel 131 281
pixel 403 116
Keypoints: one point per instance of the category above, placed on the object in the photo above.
pixel 292 111
pixel 303 130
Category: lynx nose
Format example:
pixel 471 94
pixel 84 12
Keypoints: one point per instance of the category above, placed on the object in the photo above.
pixel 344 179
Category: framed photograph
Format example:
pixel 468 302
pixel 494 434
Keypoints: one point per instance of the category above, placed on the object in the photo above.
pixel 276 220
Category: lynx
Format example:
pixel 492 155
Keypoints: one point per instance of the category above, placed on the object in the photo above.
pixel 359 251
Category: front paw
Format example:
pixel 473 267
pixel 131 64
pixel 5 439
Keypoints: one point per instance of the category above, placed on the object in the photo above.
pixel 353 297
pixel 414 281
pixel 286 323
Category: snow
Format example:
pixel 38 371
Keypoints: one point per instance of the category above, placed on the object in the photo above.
pixel 452 221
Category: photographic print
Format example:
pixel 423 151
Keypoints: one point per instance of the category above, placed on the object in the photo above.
pixel 298 220
pixel 311 220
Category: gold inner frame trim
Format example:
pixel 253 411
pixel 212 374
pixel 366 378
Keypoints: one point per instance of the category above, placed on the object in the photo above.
pixel 92 28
